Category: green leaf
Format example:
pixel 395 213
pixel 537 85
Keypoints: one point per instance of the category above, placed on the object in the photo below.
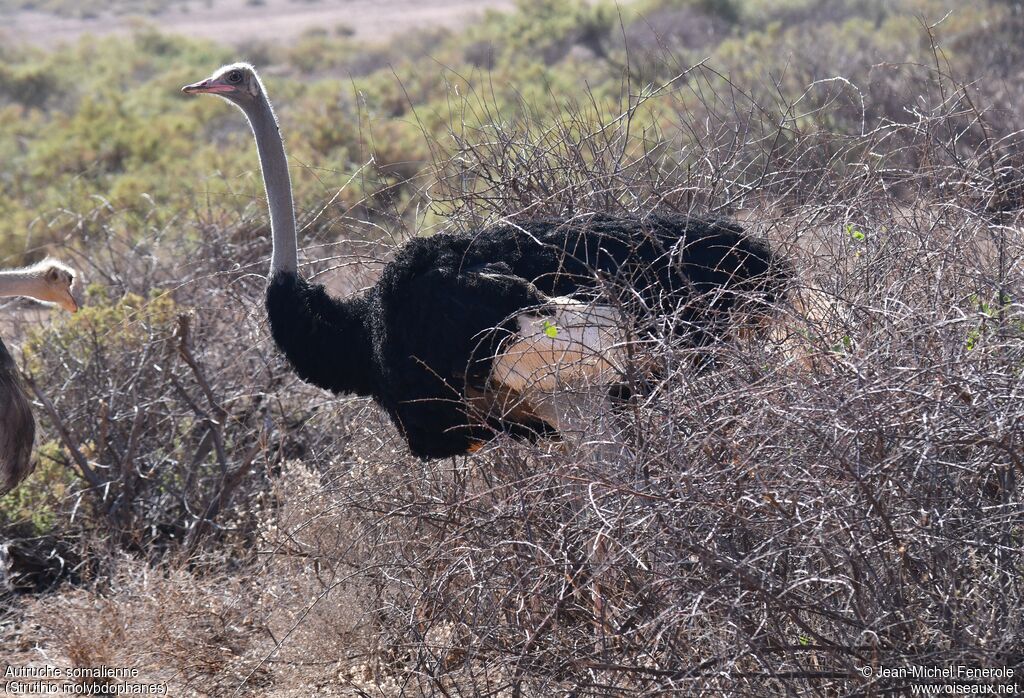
pixel 550 330
pixel 972 338
pixel 844 346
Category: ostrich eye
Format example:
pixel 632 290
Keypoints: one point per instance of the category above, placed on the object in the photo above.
pixel 235 77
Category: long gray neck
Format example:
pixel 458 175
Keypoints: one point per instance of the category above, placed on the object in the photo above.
pixel 21 283
pixel 274 165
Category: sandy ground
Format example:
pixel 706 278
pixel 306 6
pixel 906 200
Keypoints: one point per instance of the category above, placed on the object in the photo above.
pixel 237 21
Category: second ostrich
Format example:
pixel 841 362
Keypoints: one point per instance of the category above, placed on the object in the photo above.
pixel 48 281
pixel 453 333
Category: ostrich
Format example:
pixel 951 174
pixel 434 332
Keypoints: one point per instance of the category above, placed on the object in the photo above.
pixel 450 339
pixel 48 281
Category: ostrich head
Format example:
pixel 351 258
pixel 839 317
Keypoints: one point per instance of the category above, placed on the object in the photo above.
pixel 57 283
pixel 238 83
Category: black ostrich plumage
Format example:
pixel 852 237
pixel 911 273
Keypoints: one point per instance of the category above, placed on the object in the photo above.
pixel 421 340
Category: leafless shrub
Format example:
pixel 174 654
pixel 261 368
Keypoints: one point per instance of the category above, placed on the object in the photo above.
pixel 160 397
pixel 843 494
pixel 144 422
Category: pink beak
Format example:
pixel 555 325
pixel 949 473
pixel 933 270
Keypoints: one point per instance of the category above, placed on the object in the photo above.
pixel 207 86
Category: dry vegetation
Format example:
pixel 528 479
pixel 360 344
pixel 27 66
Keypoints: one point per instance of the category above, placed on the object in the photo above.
pixel 844 493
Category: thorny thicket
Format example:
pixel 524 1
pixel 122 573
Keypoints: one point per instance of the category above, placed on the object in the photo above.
pixel 843 493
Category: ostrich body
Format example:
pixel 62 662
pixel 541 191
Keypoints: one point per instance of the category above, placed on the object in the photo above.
pixel 441 340
pixel 17 427
pixel 48 281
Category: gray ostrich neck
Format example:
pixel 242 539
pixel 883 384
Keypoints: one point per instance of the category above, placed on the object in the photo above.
pixel 274 165
pixel 20 283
